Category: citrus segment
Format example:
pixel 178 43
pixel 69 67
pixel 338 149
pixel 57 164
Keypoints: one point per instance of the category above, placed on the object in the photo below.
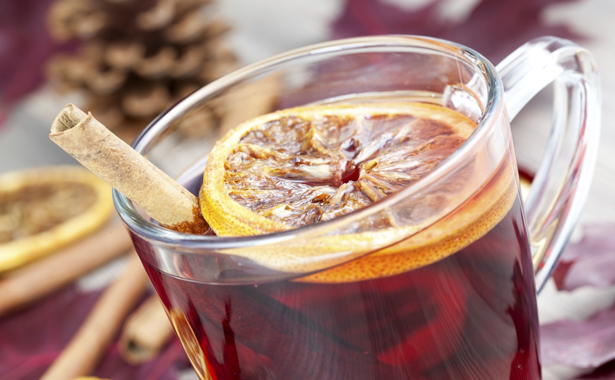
pixel 43 209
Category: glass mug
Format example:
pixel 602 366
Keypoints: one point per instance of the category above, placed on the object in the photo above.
pixel 450 291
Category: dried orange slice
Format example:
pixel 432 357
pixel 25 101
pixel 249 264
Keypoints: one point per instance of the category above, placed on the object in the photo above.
pixel 44 209
pixel 304 165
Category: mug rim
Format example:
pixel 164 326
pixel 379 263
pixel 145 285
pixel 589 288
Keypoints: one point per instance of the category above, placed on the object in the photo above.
pixel 151 231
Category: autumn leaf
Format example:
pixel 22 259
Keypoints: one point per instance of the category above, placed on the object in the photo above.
pixel 579 344
pixel 495 28
pixel 589 343
pixel 604 372
pixel 590 262
pixel 25 46
pixel 32 338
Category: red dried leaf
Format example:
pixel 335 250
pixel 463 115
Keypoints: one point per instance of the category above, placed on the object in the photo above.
pixel 25 46
pixel 590 262
pixel 32 338
pixel 586 344
pixel 494 27
pixel 604 372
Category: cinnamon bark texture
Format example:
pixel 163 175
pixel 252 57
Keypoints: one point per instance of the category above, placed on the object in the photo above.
pixel 25 285
pixel 92 339
pixel 145 333
pixel 107 156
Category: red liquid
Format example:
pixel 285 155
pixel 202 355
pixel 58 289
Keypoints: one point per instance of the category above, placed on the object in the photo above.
pixel 471 315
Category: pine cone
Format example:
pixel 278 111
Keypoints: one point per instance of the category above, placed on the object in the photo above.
pixel 138 57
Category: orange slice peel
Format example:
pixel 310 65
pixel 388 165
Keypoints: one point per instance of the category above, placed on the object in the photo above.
pixel 44 209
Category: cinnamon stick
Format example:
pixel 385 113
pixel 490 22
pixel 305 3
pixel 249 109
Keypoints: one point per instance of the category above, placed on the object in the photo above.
pixel 27 284
pixel 99 150
pixel 146 332
pixel 92 339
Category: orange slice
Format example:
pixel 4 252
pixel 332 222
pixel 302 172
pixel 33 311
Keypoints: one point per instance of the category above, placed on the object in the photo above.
pixel 304 165
pixel 44 209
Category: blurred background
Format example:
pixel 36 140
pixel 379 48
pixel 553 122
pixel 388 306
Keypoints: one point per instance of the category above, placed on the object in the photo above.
pixel 128 60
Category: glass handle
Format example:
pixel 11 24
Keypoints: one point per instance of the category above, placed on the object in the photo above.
pixel 561 185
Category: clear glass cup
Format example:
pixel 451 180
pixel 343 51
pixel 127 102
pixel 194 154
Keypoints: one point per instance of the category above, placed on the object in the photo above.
pixel 448 291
